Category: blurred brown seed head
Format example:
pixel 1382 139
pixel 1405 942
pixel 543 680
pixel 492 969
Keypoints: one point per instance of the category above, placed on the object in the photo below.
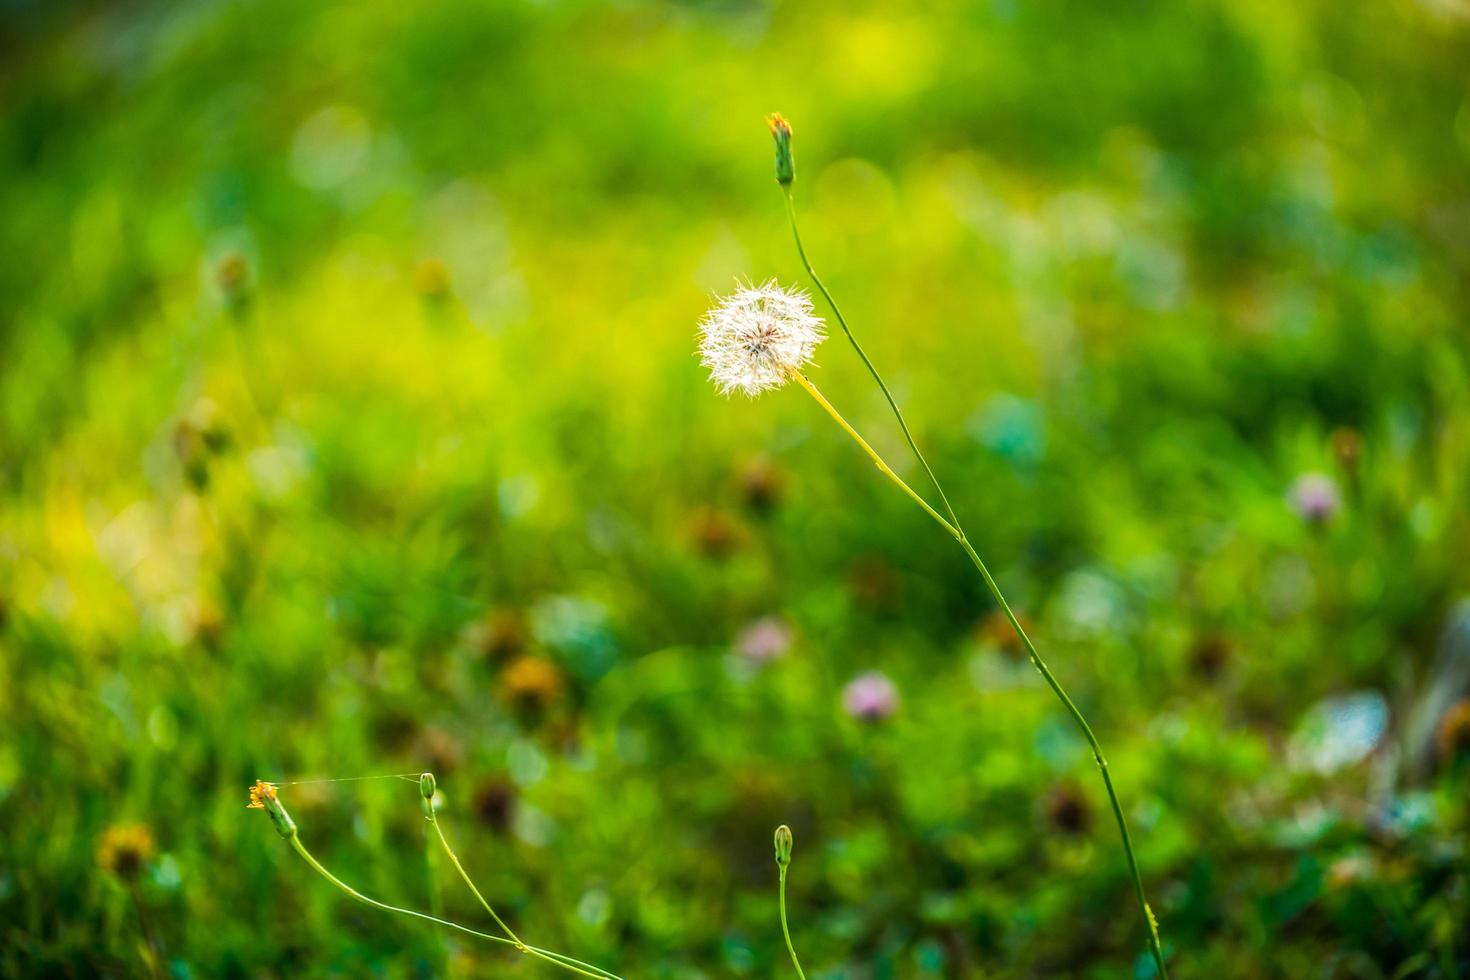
pixel 762 485
pixel 1067 810
pixel 394 728
pixel 872 580
pixel 1209 656
pixel 500 635
pixel 198 436
pixel 715 533
pixel 205 415
pixel 996 631
pixel 1453 734
pixel 124 850
pixel 495 805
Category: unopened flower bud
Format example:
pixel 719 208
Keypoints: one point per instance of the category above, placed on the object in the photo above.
pixel 781 132
pixel 426 785
pixel 783 845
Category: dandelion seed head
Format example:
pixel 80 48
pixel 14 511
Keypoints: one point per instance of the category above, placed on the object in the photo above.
pixel 754 338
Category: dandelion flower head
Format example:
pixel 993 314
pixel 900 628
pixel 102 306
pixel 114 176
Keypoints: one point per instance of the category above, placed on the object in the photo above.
pixel 125 849
pixel 754 338
pixel 261 793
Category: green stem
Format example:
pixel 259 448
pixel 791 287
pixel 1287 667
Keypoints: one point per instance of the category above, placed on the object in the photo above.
pixel 878 461
pixel 786 931
pixel 359 896
pixel 575 965
pixel 561 959
pixel 955 531
pixel 436 902
pixel 143 923
pixel 851 339
pixel 1102 764
pixel 547 955
pixel 454 858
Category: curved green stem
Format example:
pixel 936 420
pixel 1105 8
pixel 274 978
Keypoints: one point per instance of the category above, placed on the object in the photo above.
pixel 561 959
pixel 786 931
pixel 842 322
pixel 1102 764
pixel 954 530
pixel 359 896
pixel 878 461
pixel 454 858
pixel 557 958
pixel 567 963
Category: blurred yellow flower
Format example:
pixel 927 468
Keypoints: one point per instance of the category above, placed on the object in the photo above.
pixel 124 849
pixel 532 683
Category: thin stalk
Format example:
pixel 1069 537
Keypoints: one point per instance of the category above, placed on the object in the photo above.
pixel 878 461
pixel 436 900
pixel 786 931
pixel 147 927
pixel 1102 764
pixel 561 959
pixel 454 858
pixel 955 532
pixel 359 896
pixel 316 865
pixel 851 339
pixel 568 963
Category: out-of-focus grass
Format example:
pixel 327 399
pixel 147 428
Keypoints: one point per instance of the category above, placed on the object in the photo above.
pixel 349 424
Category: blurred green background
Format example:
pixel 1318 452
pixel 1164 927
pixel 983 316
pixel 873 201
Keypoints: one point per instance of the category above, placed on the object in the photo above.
pixel 350 425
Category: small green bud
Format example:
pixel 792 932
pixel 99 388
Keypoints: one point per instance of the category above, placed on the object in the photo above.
pixel 426 785
pixel 781 133
pixel 783 845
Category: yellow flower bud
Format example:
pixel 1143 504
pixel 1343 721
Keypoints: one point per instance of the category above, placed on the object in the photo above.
pixel 781 132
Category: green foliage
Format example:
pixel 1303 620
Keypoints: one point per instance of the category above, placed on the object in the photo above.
pixel 349 424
